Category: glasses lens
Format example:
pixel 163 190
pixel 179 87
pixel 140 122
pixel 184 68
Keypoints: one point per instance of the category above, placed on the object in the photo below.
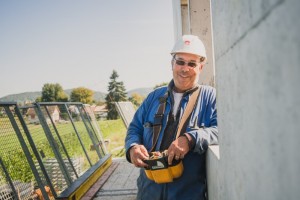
pixel 192 64
pixel 180 62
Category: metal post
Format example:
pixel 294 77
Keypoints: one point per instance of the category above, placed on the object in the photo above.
pixel 34 149
pixel 90 134
pixel 78 136
pixel 8 179
pixel 26 151
pixel 53 144
pixel 104 150
pixel 60 140
pixel 89 121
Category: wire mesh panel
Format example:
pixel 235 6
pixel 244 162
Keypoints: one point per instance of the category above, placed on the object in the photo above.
pixel 66 139
pixel 53 174
pixel 71 127
pixel 78 125
pixel 18 176
pixel 45 148
pixel 95 127
pixel 91 129
pixel 126 111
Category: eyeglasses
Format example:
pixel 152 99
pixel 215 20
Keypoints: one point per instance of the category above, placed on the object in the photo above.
pixel 182 63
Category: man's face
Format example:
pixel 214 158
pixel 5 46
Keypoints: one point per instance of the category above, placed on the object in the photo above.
pixel 185 76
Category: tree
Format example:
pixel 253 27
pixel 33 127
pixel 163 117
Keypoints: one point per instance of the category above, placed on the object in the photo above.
pixel 160 85
pixel 38 99
pixel 116 93
pixel 136 99
pixel 82 94
pixel 53 93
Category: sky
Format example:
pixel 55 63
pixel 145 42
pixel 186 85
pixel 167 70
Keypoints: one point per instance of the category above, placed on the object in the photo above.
pixel 79 43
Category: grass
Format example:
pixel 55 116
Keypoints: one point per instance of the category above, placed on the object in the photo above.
pixel 12 154
pixel 114 131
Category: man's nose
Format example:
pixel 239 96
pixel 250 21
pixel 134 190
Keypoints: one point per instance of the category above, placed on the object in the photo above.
pixel 185 68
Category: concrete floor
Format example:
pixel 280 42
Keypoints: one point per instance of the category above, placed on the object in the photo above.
pixel 121 185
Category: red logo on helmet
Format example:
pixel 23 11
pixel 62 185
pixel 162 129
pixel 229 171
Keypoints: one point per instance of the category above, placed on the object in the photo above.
pixel 187 42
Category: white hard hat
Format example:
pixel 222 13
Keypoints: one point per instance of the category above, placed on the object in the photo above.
pixel 189 44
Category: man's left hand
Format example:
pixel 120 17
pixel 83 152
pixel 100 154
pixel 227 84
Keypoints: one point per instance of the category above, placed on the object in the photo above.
pixel 178 149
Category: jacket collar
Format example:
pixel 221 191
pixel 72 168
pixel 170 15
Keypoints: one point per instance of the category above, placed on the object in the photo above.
pixel 188 92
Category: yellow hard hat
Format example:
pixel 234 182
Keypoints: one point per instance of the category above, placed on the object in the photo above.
pixel 189 44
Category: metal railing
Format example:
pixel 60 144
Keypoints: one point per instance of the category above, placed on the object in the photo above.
pixel 45 148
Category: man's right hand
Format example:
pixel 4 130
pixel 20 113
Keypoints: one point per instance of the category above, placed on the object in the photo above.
pixel 138 153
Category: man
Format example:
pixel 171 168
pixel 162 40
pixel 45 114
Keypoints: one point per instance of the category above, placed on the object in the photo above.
pixel 199 130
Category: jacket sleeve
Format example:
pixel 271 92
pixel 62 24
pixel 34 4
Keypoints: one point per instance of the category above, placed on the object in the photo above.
pixel 135 130
pixel 206 131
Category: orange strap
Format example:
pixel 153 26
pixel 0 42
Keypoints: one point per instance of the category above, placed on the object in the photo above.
pixel 188 110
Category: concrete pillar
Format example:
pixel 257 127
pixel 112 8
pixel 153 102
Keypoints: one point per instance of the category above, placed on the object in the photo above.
pixel 201 25
pixel 194 17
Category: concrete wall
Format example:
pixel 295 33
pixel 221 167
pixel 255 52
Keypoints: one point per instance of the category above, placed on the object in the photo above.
pixel 257 61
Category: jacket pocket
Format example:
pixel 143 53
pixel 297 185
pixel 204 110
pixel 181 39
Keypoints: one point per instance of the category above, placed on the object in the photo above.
pixel 147 135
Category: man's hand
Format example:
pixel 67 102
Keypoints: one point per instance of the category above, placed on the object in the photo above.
pixel 138 153
pixel 178 149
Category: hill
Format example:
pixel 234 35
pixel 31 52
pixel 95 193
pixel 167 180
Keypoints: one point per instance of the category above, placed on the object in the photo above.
pixel 142 91
pixel 98 96
pixel 21 97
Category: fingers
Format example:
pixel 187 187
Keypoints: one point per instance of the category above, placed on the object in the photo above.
pixel 144 151
pixel 172 156
pixel 138 153
pixel 139 163
pixel 178 149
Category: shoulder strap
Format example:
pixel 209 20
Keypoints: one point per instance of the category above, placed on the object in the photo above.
pixel 158 118
pixel 189 107
pixel 160 114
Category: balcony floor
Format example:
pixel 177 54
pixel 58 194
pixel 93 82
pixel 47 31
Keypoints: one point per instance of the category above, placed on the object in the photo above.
pixel 121 183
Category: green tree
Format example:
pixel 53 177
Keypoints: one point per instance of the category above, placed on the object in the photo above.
pixel 53 93
pixel 82 94
pixel 136 99
pixel 160 85
pixel 38 99
pixel 116 93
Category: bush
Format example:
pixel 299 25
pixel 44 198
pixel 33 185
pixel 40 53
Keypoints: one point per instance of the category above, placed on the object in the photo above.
pixel 17 166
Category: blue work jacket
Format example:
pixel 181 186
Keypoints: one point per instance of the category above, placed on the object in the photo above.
pixel 202 126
